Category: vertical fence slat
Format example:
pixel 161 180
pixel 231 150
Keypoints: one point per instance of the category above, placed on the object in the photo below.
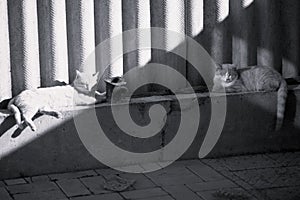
pixel 81 36
pixel 24 45
pixel 290 30
pixel 174 21
pixel 244 33
pixel 143 22
pixel 268 25
pixel 137 20
pixel 195 23
pixel 169 14
pixel 195 15
pixel 5 81
pixel 108 22
pixel 53 42
pixel 221 49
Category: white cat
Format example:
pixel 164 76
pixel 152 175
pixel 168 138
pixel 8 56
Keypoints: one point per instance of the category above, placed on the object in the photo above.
pixel 47 100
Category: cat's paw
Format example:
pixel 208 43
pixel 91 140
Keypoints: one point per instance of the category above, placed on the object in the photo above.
pixel 21 126
pixel 57 115
pixel 33 128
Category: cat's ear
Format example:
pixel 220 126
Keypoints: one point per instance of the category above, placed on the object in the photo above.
pixel 78 73
pixel 234 66
pixel 96 74
pixel 218 66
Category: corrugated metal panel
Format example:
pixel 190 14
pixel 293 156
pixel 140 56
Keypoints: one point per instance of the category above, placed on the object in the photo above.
pixel 48 41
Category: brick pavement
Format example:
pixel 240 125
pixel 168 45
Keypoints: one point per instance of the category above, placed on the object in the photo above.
pixel 255 177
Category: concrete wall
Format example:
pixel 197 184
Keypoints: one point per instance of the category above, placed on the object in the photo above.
pixel 56 146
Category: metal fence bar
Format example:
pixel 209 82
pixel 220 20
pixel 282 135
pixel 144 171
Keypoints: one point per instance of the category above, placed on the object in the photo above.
pixel 81 36
pixel 24 45
pixel 244 33
pixel 268 27
pixel 194 29
pixel 53 42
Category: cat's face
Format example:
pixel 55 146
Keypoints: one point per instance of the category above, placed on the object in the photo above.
pixel 227 73
pixel 85 82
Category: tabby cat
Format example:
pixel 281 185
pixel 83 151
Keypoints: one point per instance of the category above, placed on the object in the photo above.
pixel 255 78
pixel 47 100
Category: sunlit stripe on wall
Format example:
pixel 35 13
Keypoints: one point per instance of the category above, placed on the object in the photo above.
pixel 115 29
pixel 143 22
pixel 53 42
pixel 87 36
pixel 194 17
pixel 222 9
pixel 174 21
pixel 5 80
pixel 247 3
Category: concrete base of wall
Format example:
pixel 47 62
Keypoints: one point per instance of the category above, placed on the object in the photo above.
pixel 56 146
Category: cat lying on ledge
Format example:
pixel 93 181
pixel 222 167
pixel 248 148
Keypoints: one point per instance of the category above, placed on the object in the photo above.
pixel 46 100
pixel 255 78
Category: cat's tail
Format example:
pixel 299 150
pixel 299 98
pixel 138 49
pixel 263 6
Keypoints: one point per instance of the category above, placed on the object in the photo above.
pixel 16 112
pixel 281 99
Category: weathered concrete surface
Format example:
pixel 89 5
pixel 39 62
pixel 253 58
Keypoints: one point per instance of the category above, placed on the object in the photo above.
pixel 56 146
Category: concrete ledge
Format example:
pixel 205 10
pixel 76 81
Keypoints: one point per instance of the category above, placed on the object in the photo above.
pixel 56 146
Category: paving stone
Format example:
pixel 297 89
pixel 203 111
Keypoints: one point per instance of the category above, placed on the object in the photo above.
pixel 230 175
pixel 170 171
pixel 177 179
pixel 15 181
pixel 4 194
pixel 141 181
pixel 286 159
pixel 181 192
pixel 107 173
pixel 134 168
pixel 173 175
pixel 185 163
pixel 41 178
pixel 271 177
pixel 249 162
pixel 2 184
pixel 145 193
pixel 49 195
pixel 95 184
pixel 159 198
pixel 111 196
pixel 32 187
pixel 217 164
pixel 232 194
pixel 73 187
pixel 284 193
pixel 72 175
pixel 28 179
pixel 148 167
pixel 206 173
pixel 213 185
